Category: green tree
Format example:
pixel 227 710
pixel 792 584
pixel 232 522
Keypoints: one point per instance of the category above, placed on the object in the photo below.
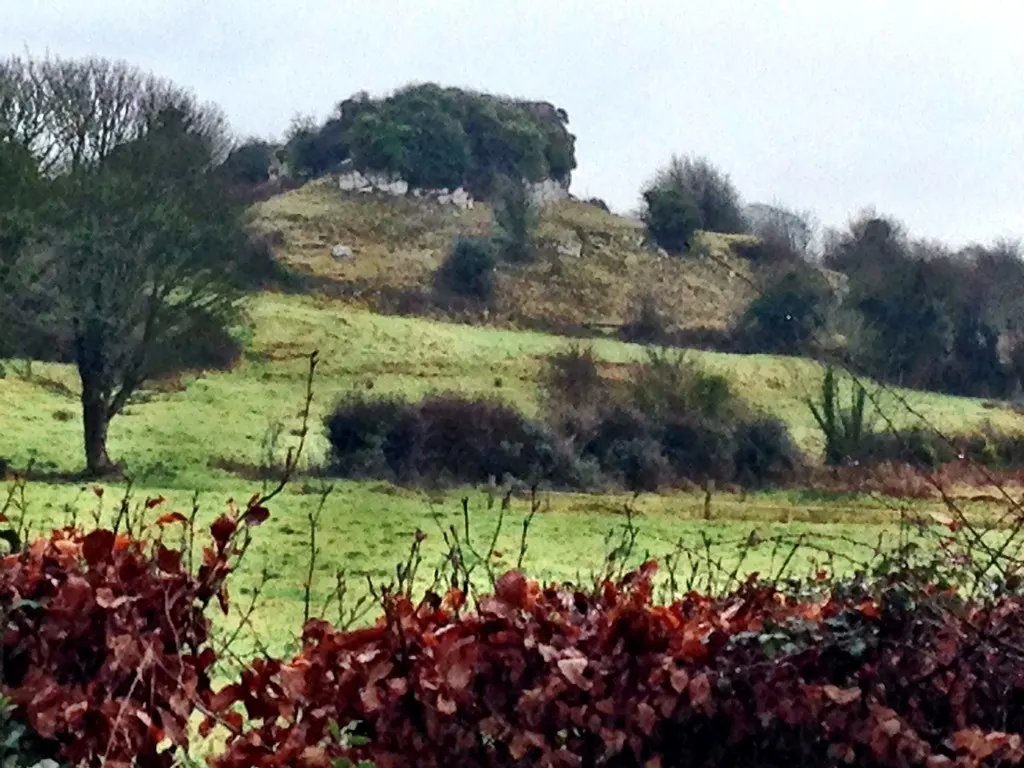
pixel 136 240
pixel 788 316
pixel 249 162
pixel 715 197
pixel 671 217
pixel 516 221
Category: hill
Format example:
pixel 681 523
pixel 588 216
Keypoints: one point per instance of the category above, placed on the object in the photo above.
pixel 593 268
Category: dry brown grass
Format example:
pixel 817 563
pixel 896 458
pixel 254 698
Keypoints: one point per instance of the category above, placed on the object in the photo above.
pixel 399 243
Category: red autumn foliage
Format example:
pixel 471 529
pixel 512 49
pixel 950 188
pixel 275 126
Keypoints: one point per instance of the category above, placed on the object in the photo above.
pixel 106 648
pixel 556 677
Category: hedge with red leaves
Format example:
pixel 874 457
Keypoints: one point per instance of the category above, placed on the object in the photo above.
pixel 887 676
pixel 105 649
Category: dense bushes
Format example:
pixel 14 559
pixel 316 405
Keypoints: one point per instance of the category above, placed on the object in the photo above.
pixel 930 318
pixel 670 423
pixel 687 195
pixel 789 315
pixel 445 437
pixel 879 673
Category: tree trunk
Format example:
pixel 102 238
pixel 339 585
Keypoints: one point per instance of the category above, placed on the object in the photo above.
pixel 95 422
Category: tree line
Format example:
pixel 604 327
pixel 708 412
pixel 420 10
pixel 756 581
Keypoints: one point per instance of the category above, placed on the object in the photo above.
pixel 903 309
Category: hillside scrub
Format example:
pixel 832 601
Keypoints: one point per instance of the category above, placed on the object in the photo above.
pixel 686 195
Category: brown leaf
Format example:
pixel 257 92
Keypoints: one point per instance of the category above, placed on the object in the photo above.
pixel 105 598
pixel 841 695
pixel 170 518
pixel 293 679
pixel 97 546
pixel 168 560
pixel 256 516
pixel 446 706
pixel 523 741
pixel 370 698
pixel 98 490
pixel 512 589
pixel 224 698
pixel 459 676
pixel 679 680
pixel 222 530
pixel 646 718
pixel 978 744
pixel 700 693
pixel 155 502
pixel 222 598
pixel 573 670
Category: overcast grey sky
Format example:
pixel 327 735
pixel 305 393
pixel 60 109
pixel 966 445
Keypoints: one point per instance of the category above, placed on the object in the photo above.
pixel 915 106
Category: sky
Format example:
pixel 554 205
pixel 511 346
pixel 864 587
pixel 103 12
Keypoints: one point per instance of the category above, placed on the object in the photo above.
pixel 914 107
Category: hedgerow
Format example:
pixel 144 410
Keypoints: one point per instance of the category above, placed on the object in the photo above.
pixel 106 651
pixel 871 674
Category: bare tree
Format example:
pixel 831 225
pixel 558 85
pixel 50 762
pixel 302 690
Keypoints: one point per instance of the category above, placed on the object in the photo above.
pixel 783 229
pixel 71 112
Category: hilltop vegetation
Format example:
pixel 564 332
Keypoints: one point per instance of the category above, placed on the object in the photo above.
pixel 432 137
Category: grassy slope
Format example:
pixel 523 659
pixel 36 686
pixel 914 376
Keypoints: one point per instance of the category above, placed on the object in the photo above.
pixel 399 244
pixel 170 437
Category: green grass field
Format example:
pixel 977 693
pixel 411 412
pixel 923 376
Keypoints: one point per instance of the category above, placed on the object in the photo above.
pixel 176 437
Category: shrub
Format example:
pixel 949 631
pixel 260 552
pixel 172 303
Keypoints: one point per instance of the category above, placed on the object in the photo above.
pixel 765 453
pixel 673 422
pixel 249 163
pixel 516 219
pixel 372 437
pixel 469 269
pixel 668 385
pixel 924 448
pixel 688 188
pixel 445 438
pixel 785 236
pixel 671 218
pixel 846 430
pixel 789 315
pixel 475 440
pixel 571 378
